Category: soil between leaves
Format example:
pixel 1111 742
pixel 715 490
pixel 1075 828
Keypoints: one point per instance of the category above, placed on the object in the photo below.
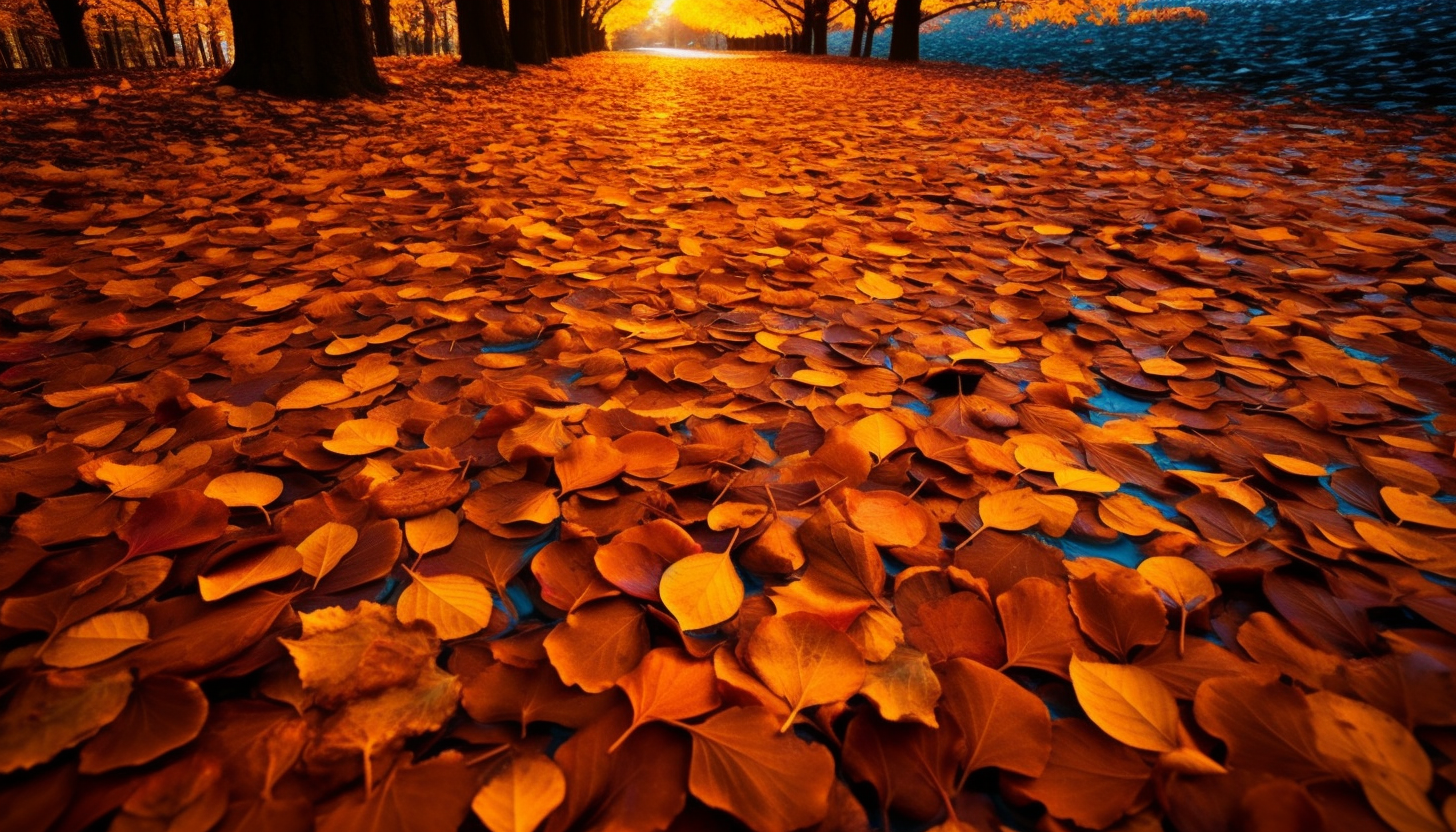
pixel 736 296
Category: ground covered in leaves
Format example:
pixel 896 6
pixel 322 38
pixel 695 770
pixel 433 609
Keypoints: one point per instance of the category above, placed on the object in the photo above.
pixel 746 442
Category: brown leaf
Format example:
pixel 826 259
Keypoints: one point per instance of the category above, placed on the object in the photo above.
pixel 771 781
pixel 1002 724
pixel 54 711
pixel 163 713
pixel 598 643
pixel 173 520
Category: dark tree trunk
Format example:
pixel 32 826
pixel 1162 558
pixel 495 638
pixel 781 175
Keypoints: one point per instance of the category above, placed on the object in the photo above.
pixel 588 39
pixel 69 17
pixel 869 44
pixel 483 37
pixel 905 31
pixel 383 28
pixel 574 44
pixel 555 28
pixel 528 32
pixel 317 49
pixel 429 11
pixel 802 43
pixel 861 18
pixel 821 27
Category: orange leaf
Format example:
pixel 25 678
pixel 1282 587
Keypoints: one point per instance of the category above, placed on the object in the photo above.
pixel 804 660
pixel 771 781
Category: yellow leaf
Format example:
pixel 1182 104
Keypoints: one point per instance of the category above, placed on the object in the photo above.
pixel 888 249
pixel 1296 466
pixel 518 797
pixel 1073 479
pixel 819 378
pixel 1163 367
pixel 248 571
pixel 702 590
pixel 878 287
pixel 315 393
pixel 245 488
pixel 1413 507
pixel 358 437
pixel 804 660
pixel 1128 703
pixel 588 461
pixel 432 532
pixel 97 638
pixel 456 605
pixel 903 687
pixel 879 434
pixel 1049 230
pixel 325 547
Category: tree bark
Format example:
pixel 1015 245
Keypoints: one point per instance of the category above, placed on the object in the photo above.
pixel 69 17
pixel 574 44
pixel 869 44
pixel 483 37
pixel 905 31
pixel 382 27
pixel 861 19
pixel 821 27
pixel 528 32
pixel 314 49
pixel 555 28
pixel 428 9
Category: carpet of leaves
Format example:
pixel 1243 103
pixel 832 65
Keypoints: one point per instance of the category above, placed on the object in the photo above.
pixel 648 443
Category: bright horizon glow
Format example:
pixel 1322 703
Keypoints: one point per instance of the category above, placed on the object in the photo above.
pixel 668 52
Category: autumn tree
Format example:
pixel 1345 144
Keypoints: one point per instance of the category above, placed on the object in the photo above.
pixel 383 28
pixel 484 40
pixel 318 49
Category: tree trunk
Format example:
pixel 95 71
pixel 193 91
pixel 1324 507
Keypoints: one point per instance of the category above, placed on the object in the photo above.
pixel 383 28
pixel 169 43
pixel 572 22
pixel 317 49
pixel 588 39
pixel 7 60
pixel 869 44
pixel 429 11
pixel 216 45
pixel 861 18
pixel 483 37
pixel 821 27
pixel 555 28
pixel 69 17
pixel 905 31
pixel 528 32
